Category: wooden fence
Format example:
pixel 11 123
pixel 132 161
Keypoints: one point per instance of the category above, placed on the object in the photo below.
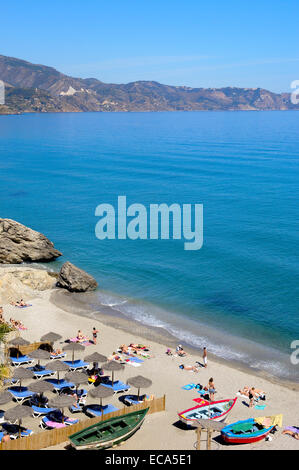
pixel 48 438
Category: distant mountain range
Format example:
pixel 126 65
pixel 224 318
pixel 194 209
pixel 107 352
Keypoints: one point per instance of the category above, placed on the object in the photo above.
pixel 41 89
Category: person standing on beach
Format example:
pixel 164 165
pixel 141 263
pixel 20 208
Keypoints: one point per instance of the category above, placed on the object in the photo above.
pixel 205 357
pixel 95 335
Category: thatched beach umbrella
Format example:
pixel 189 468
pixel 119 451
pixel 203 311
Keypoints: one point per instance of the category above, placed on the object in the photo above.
pixel 95 357
pixel 139 382
pixel 40 388
pixel 18 413
pixel 61 402
pixel 77 378
pixel 19 342
pixel 73 347
pixel 40 354
pixel 21 374
pixel 57 366
pixel 101 392
pixel 51 337
pixel 112 366
pixel 5 397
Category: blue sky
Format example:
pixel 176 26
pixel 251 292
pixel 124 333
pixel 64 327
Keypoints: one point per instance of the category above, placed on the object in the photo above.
pixel 193 43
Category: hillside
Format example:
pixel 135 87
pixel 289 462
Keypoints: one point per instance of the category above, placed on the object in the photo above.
pixel 38 88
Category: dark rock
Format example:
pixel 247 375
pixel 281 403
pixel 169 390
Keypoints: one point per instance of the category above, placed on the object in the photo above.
pixel 19 243
pixel 75 279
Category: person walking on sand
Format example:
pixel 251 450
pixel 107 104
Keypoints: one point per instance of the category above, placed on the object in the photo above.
pixel 95 335
pixel 205 357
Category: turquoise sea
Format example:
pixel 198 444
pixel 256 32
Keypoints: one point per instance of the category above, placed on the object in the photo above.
pixel 238 295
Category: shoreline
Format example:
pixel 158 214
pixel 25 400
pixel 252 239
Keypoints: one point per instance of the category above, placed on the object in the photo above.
pixel 70 303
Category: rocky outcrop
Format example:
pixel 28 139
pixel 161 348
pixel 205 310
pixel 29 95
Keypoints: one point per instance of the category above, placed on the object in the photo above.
pixel 75 279
pixel 24 283
pixel 19 243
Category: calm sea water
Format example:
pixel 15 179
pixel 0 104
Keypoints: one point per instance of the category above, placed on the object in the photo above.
pixel 238 295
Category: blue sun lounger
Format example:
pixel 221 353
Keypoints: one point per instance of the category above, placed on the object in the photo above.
pixel 42 373
pixel 117 386
pixel 13 430
pixel 49 422
pixel 1 436
pixel 77 364
pixel 57 356
pixel 60 384
pixel 21 361
pixel 39 411
pixel 132 400
pixel 98 410
pixel 20 394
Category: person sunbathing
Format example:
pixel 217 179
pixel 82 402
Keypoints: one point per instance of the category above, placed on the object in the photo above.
pixel 57 352
pixel 80 337
pixel 256 392
pixel 180 351
pixel 291 433
pixel 19 303
pixel 194 368
pixel 114 357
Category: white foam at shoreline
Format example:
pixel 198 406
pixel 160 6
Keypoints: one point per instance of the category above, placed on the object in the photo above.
pixel 222 345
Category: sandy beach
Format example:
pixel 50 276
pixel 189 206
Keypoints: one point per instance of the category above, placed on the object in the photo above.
pixel 44 316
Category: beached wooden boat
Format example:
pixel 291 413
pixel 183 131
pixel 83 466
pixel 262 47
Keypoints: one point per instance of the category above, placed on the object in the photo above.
pixel 109 432
pixel 245 432
pixel 216 410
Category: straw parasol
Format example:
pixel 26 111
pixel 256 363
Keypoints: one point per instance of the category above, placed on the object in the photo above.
pixel 17 413
pixel 57 366
pixel 40 387
pixel 139 382
pixel 40 354
pixel 73 347
pixel 112 366
pixel 95 357
pixel 21 373
pixel 61 402
pixel 77 378
pixel 5 397
pixel 51 337
pixel 19 342
pixel 101 392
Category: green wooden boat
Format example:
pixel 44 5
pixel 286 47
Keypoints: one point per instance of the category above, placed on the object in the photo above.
pixel 108 433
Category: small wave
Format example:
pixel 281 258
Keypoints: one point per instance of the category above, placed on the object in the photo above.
pixel 113 304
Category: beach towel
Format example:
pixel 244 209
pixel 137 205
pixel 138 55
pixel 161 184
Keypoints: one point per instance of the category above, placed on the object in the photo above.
pixel 134 364
pixel 292 429
pixel 268 421
pixel 189 387
pixel 201 401
pixel 260 407
pixel 136 359
pixel 23 306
